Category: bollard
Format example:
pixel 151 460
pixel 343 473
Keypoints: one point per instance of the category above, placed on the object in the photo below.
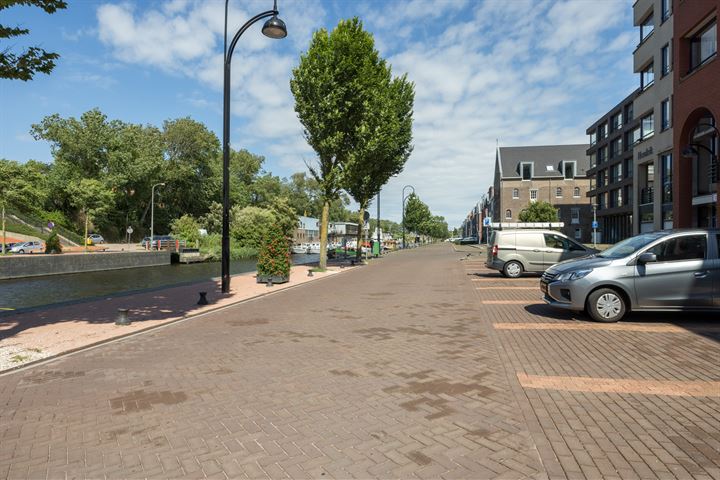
pixel 352 262
pixel 122 318
pixel 310 273
pixel 203 299
pixel 269 283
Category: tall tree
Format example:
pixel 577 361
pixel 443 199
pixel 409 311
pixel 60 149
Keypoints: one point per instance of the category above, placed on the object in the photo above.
pixel 384 142
pixel 539 212
pixel 24 65
pixel 417 214
pixel 15 190
pixel 331 85
pixel 92 198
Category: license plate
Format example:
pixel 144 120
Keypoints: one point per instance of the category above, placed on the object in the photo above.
pixel 543 287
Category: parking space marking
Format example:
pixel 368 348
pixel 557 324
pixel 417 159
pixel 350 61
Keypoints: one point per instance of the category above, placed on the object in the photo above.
pixel 507 302
pixel 622 327
pixel 673 388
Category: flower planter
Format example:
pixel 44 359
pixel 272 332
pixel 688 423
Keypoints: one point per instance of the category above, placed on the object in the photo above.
pixel 274 278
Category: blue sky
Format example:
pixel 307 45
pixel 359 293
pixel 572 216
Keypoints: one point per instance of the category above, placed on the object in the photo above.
pixel 523 72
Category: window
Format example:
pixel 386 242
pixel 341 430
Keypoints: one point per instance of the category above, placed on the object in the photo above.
pixel 690 247
pixel 556 241
pixel 602 131
pixel 703 45
pixel 516 193
pixel 569 170
pixel 601 178
pixel 578 234
pixel 666 59
pixel 665 9
pixel 628 113
pixel 647 77
pixel 527 170
pixel 533 195
pixel 576 192
pixel 647 126
pixel 508 214
pixel 628 168
pixel 602 154
pixel 646 27
pixel 574 215
pixel 665 114
pixel 666 166
pixel 616 121
pixel 616 147
pixel 618 197
pixel 558 192
pixel 593 138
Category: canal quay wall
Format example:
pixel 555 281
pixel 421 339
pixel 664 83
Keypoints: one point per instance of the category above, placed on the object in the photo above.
pixel 20 266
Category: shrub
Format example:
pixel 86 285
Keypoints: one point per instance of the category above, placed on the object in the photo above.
pixel 249 226
pixel 186 228
pixel 52 245
pixel 274 256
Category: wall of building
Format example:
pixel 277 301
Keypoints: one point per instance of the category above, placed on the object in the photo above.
pixel 19 266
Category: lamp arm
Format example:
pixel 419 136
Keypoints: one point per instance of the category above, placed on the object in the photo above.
pixel 708 125
pixel 705 147
pixel 259 16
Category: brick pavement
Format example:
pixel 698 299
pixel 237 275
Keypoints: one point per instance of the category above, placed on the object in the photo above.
pixel 394 370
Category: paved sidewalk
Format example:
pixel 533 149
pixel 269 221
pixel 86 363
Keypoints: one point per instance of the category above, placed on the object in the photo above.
pixel 411 367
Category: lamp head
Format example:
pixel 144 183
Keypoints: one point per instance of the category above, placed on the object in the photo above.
pixel 688 151
pixel 274 28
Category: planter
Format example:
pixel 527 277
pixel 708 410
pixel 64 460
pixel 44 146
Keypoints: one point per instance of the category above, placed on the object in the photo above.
pixel 274 278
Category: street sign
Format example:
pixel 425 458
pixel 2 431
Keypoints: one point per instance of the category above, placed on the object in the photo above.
pixel 129 230
pixel 594 224
pixel 51 225
pixel 487 221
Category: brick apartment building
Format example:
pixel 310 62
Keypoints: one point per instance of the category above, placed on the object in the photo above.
pixel 554 173
pixel 696 110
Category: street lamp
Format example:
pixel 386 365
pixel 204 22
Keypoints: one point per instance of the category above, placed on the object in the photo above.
pixel 152 211
pixel 403 209
pixel 273 28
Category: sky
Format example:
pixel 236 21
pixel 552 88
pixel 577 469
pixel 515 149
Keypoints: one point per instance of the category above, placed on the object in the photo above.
pixel 486 72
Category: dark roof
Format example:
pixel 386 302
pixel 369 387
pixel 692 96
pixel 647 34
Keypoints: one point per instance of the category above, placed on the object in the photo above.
pixel 509 159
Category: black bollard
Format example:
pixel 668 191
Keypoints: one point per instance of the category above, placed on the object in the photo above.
pixel 203 298
pixel 269 283
pixel 122 318
pixel 310 273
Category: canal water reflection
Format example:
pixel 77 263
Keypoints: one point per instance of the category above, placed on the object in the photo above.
pixel 37 291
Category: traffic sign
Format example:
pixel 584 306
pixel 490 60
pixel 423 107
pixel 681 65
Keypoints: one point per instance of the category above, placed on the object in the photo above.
pixel 51 225
pixel 129 230
pixel 594 224
pixel 486 221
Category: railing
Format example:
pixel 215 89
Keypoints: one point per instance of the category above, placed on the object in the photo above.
pixel 647 195
pixel 713 172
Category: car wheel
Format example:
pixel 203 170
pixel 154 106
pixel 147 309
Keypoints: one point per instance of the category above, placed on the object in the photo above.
pixel 512 269
pixel 606 305
pixel 21 251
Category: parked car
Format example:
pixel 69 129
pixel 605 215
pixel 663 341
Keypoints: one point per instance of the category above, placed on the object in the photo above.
pixel 514 252
pixel 668 270
pixel 95 238
pixel 27 247
pixel 468 240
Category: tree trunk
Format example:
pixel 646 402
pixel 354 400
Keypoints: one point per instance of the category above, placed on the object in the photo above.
pixel 324 234
pixel 361 229
pixel 3 228
pixel 86 229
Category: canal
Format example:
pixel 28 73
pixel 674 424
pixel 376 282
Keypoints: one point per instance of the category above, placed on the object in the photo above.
pixel 46 290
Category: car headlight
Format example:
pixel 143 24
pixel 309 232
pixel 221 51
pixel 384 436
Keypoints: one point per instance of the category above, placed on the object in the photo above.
pixel 576 275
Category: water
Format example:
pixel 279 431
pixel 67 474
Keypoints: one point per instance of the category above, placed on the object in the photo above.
pixel 37 291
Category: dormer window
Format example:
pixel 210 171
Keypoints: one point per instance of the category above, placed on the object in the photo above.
pixel 526 170
pixel 568 169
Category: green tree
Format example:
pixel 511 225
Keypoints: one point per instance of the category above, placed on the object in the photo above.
pixel 417 215
pixel 24 65
pixel 186 228
pixel 331 86
pixel 540 211
pixel 250 225
pixel 52 245
pixel 285 217
pixel 92 198
pixel 212 220
pixel 16 190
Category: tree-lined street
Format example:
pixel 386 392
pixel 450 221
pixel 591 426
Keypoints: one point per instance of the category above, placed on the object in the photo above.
pixel 423 364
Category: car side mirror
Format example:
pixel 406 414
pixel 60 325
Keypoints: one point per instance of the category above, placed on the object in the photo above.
pixel 647 257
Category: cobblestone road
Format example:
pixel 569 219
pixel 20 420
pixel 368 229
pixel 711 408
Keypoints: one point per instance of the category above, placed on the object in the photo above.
pixel 420 365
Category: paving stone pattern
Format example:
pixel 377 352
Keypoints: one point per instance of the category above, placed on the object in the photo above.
pixel 394 370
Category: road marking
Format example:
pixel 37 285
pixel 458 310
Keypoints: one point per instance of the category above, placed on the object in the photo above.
pixel 674 388
pixel 508 287
pixel 5 308
pixel 507 302
pixel 623 327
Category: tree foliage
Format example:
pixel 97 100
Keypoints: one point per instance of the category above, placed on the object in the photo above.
pixel 186 228
pixel 540 211
pixel 52 244
pixel 23 65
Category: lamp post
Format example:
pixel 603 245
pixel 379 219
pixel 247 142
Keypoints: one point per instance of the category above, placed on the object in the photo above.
pixel 273 28
pixel 403 209
pixel 378 226
pixel 152 211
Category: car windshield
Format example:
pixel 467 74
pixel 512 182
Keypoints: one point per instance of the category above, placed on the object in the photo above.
pixel 631 245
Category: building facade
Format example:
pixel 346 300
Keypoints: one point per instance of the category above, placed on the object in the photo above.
pixel 695 188
pixel 307 231
pixel 653 145
pixel 553 173
pixel 611 170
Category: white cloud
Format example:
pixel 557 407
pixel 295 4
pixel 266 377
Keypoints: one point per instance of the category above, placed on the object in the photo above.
pixel 519 71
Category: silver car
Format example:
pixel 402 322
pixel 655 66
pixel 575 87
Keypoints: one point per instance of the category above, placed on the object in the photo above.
pixel 516 251
pixel 27 247
pixel 669 270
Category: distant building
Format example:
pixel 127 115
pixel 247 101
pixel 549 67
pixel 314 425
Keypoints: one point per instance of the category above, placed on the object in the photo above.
pixel 611 170
pixel 308 230
pixel 553 173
